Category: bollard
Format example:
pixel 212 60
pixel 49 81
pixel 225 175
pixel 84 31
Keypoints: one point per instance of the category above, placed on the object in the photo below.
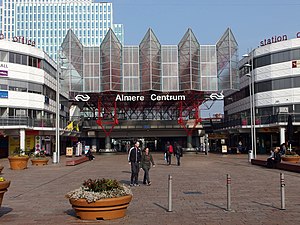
pixel 228 193
pixel 282 185
pixel 170 194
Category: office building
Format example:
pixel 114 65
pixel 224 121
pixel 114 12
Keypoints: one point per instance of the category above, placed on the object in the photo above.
pixel 275 73
pixel 28 85
pixel 46 22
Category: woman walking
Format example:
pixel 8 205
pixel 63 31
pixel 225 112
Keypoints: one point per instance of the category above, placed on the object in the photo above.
pixel 146 162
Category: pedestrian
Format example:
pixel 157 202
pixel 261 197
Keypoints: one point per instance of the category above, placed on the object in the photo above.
pixel 282 149
pixel 166 154
pixel 146 163
pixel 134 158
pixel 178 152
pixel 90 155
pixel 169 153
pixel 274 158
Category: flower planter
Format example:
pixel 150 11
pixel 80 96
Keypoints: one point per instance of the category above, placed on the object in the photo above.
pixel 39 162
pixel 3 188
pixel 293 159
pixel 106 209
pixel 18 162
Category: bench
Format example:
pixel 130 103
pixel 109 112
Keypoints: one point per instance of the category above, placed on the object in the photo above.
pixel 293 167
pixel 77 161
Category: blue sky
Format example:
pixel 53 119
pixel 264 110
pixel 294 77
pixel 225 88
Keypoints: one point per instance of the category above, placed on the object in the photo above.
pixel 250 21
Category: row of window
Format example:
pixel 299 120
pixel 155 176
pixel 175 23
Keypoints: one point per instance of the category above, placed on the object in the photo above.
pixel 273 58
pixel 25 86
pixel 264 86
pixel 63 17
pixel 265 111
pixel 56 8
pixel 62 25
pixel 27 61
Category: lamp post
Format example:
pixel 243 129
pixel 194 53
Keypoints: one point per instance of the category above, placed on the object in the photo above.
pixel 252 103
pixel 56 154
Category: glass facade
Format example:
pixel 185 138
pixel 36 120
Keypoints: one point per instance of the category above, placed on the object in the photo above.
pixel 189 62
pixel 227 53
pixel 150 58
pixel 131 74
pixel 47 22
pixel 110 52
pixel 149 66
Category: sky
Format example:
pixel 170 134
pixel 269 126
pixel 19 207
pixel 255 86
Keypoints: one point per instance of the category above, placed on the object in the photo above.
pixel 250 21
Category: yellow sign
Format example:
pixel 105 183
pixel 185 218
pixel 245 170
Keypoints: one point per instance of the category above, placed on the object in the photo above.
pixel 69 151
pixel 14 143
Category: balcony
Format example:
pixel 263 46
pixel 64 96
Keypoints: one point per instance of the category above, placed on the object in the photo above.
pixel 259 120
pixel 15 122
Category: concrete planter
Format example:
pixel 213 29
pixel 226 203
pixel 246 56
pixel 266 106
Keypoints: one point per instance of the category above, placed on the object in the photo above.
pixel 18 162
pixel 39 161
pixel 293 159
pixel 3 188
pixel 105 209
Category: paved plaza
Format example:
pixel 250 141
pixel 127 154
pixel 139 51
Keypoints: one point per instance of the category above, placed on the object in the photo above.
pixel 36 195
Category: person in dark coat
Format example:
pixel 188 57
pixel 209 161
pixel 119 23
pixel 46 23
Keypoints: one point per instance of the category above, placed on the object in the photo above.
pixel 169 152
pixel 146 163
pixel 282 149
pixel 134 158
pixel 274 158
pixel 178 152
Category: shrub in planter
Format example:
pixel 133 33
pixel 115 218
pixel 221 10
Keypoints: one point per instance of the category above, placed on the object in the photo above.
pixel 100 199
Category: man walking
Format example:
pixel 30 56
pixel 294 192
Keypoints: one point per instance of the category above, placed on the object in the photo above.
pixel 178 152
pixel 134 158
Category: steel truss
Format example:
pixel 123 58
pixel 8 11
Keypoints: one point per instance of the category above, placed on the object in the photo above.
pixel 110 112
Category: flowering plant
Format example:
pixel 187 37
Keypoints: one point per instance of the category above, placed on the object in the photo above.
pixel 38 154
pixel 2 179
pixel 93 190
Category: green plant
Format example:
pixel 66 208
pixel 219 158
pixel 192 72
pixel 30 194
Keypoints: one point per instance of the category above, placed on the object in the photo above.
pixel 19 153
pixel 93 190
pixel 38 154
pixel 2 179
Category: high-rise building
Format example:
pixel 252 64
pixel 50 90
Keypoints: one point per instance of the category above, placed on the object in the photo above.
pixel 47 21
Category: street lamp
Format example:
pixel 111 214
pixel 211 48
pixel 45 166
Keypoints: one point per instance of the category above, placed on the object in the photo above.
pixel 56 154
pixel 252 104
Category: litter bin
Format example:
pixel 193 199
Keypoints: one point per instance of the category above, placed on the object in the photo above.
pixel 250 155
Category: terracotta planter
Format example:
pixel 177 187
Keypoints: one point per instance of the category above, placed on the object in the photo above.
pixel 39 162
pixel 293 159
pixel 1 168
pixel 106 209
pixel 18 162
pixel 3 188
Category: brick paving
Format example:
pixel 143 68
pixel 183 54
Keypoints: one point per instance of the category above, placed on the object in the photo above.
pixel 36 195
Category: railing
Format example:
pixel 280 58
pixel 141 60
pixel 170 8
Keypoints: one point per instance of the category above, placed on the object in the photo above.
pixel 259 120
pixel 29 122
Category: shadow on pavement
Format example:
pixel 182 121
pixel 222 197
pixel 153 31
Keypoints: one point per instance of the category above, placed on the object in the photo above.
pixel 4 210
pixel 160 206
pixel 265 204
pixel 71 212
pixel 217 206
